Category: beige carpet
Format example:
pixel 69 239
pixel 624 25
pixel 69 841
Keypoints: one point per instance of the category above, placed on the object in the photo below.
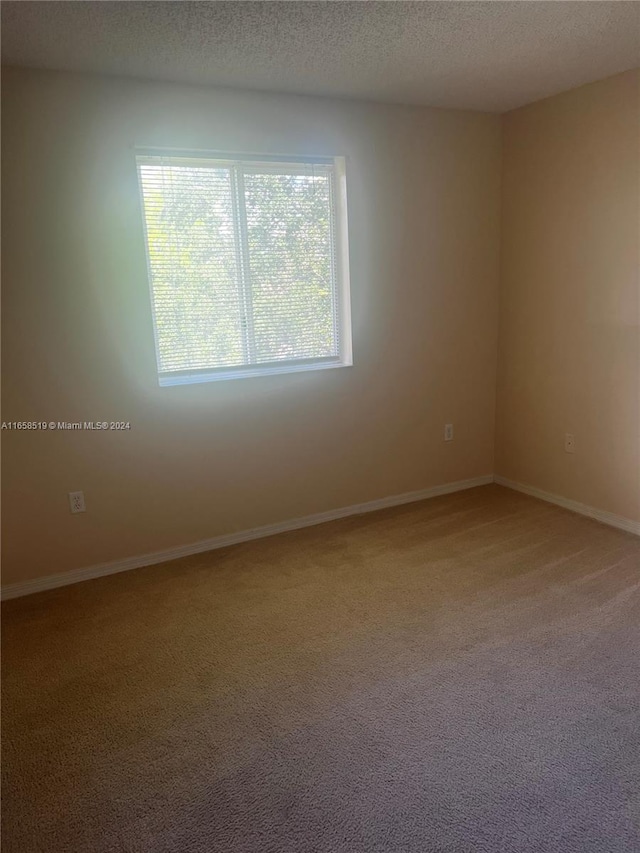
pixel 456 675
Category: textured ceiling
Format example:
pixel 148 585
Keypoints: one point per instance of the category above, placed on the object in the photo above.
pixel 472 55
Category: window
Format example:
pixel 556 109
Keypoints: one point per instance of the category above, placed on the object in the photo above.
pixel 247 265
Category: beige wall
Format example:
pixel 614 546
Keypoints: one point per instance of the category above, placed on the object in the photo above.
pixel 208 459
pixel 569 352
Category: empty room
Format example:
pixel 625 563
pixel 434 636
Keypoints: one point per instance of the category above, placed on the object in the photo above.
pixel 320 427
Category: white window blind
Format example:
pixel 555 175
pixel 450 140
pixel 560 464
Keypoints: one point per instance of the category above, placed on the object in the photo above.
pixel 247 265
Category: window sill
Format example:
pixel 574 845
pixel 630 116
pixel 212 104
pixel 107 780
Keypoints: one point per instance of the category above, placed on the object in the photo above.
pixel 247 372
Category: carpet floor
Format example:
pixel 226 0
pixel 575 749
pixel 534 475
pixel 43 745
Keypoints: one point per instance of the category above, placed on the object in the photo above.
pixel 454 676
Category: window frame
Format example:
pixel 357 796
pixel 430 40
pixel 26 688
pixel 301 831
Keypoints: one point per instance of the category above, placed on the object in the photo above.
pixel 335 167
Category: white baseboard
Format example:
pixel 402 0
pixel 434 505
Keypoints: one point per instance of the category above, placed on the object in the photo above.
pixel 16 590
pixel 599 514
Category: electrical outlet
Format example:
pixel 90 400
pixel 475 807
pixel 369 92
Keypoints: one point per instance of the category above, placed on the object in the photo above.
pixel 569 443
pixel 76 501
pixel 448 432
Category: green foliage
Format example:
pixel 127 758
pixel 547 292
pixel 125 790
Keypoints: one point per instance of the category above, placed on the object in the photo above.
pixel 212 309
pixel 290 271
